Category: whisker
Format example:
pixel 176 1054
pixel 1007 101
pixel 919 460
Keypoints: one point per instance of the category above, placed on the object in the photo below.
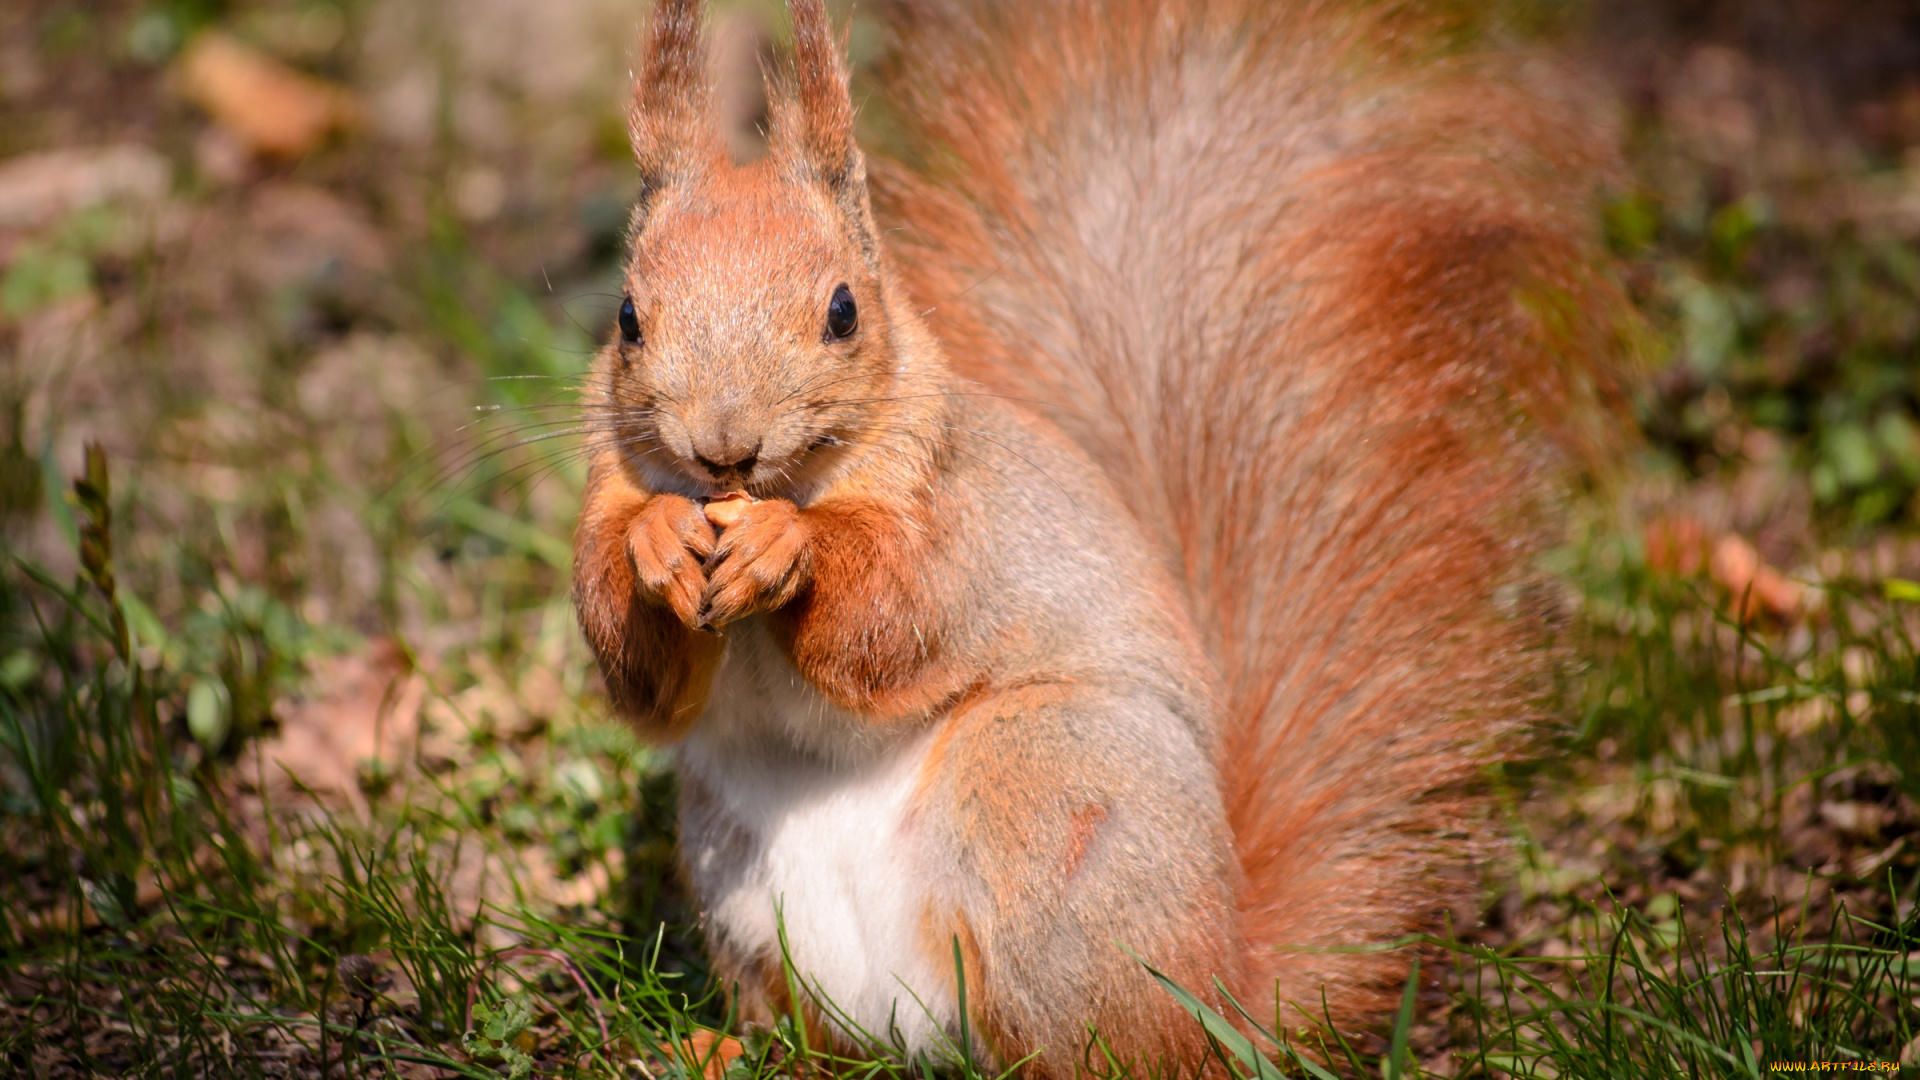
pixel 456 478
pixel 566 307
pixel 943 393
pixel 980 459
pixel 981 280
pixel 528 475
pixel 812 384
pixel 992 438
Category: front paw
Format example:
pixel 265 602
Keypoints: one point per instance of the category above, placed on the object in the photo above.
pixel 760 563
pixel 669 539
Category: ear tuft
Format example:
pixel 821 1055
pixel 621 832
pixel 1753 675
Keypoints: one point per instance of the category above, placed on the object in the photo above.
pixel 672 124
pixel 820 126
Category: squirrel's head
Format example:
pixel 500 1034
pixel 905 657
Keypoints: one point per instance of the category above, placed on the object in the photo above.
pixel 754 335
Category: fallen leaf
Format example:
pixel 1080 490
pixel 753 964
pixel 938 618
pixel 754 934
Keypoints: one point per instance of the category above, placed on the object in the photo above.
pixel 1755 586
pixel 723 1048
pixel 1853 818
pixel 275 110
pixel 40 187
pixel 1867 866
pixel 368 712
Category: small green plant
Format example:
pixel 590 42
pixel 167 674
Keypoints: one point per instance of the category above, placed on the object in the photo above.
pixel 497 1034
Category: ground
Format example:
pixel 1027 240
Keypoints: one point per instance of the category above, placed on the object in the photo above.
pixel 304 770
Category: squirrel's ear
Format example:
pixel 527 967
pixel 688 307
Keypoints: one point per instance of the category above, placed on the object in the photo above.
pixel 672 124
pixel 815 127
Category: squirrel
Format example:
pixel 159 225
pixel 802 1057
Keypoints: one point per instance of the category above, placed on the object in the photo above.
pixel 1116 532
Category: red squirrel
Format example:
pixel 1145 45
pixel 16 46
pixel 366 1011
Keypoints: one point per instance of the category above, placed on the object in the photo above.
pixel 1116 532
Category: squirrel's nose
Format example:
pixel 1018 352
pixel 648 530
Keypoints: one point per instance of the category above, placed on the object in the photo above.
pixel 727 463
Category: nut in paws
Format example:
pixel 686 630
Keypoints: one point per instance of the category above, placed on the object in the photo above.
pixel 760 562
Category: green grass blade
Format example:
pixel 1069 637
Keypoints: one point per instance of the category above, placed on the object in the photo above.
pixel 1217 1027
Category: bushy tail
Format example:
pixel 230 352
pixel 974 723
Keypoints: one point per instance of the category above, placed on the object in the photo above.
pixel 1315 287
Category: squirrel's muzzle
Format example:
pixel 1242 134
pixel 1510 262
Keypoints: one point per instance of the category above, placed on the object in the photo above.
pixel 726 461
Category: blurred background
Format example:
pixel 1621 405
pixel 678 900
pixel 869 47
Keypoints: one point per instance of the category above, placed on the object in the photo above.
pixel 320 277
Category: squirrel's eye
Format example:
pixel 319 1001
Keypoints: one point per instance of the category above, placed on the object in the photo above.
pixel 842 316
pixel 629 322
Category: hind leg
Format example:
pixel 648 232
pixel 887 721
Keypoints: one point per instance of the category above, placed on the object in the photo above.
pixel 1064 848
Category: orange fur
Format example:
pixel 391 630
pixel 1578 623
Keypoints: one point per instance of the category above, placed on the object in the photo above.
pixel 864 634
pixel 657 668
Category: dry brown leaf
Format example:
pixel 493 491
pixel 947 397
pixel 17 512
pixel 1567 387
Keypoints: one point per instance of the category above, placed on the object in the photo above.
pixel 39 187
pixel 724 1048
pixel 1858 819
pixel 1683 547
pixel 275 110
pixel 1755 586
pixel 369 711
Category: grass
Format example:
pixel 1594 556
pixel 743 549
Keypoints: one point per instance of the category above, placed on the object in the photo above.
pixel 303 771
pixel 159 918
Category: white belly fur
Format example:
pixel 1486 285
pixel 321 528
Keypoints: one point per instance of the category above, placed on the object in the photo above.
pixel 827 841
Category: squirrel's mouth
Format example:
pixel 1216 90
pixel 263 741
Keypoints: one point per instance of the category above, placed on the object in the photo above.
pixel 670 463
pixel 726 476
pixel 799 476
